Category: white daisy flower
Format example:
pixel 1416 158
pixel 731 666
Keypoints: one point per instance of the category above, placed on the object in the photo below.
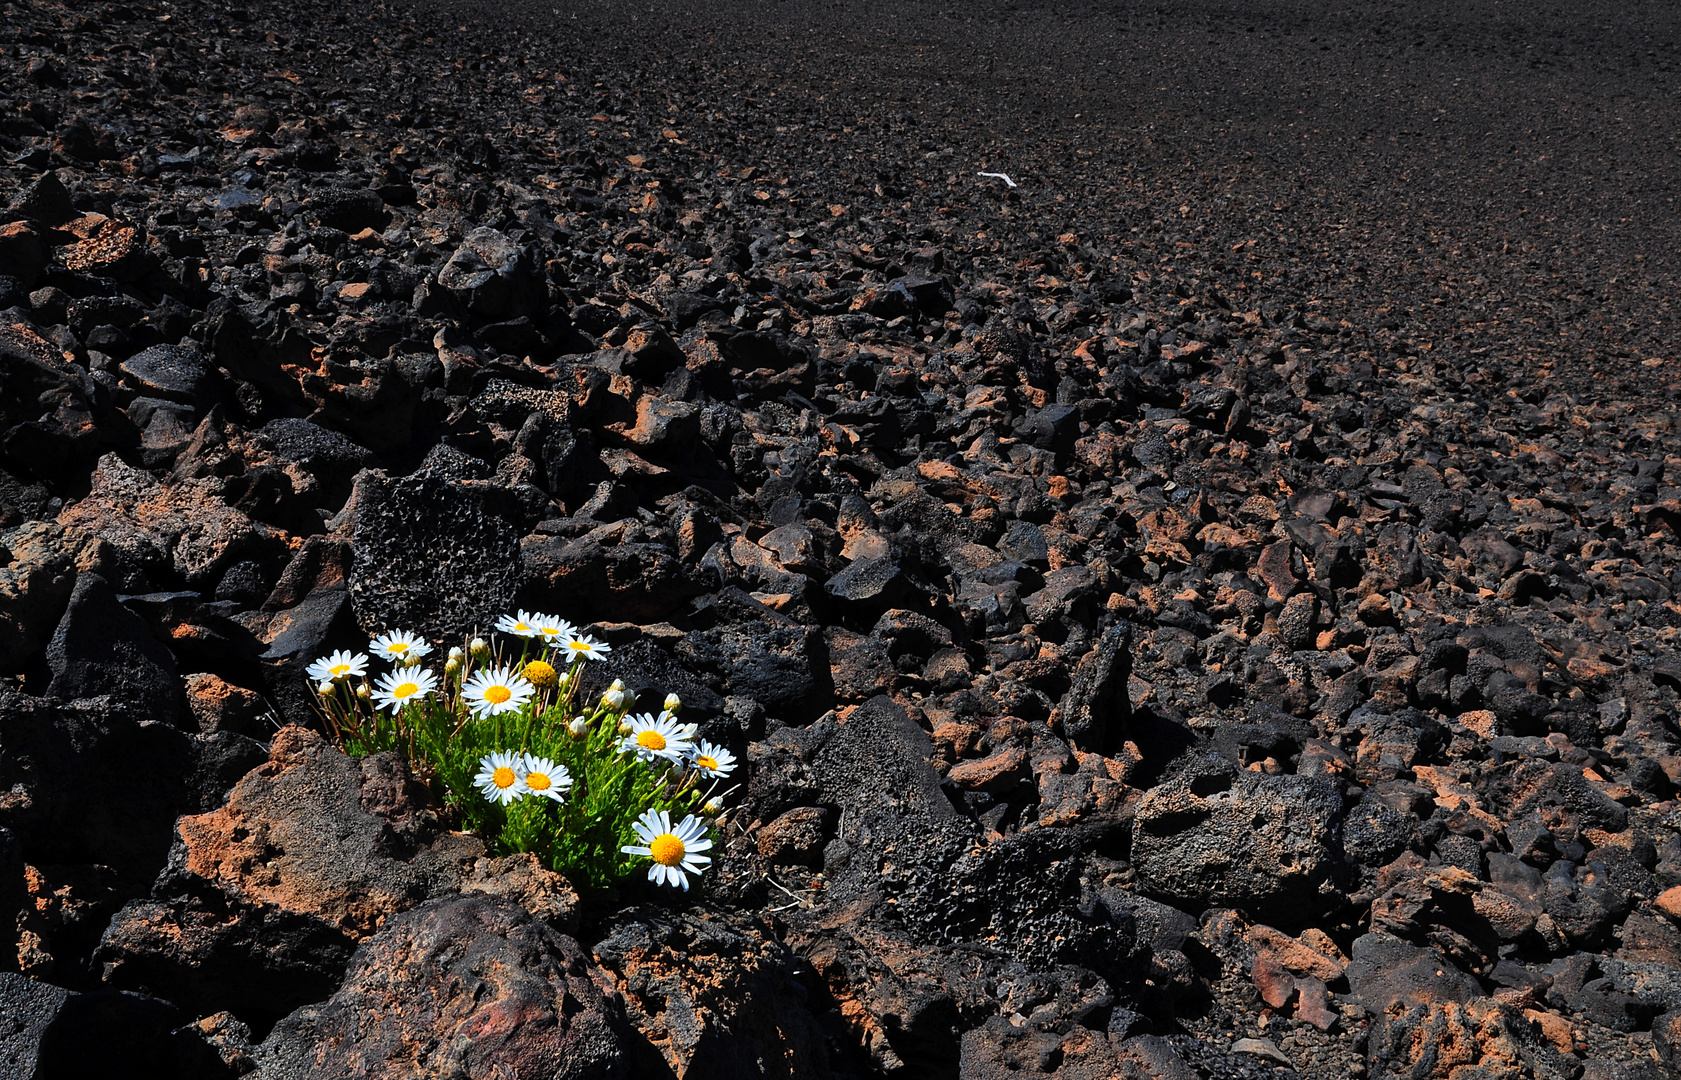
pixel 492 691
pixel 576 645
pixel 401 647
pixel 543 777
pixel 553 631
pixel 672 849
pixel 658 738
pixel 340 665
pixel 712 761
pixel 397 688
pixel 500 777
pixel 523 623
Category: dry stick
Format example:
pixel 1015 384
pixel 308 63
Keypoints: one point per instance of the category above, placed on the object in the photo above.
pixel 799 901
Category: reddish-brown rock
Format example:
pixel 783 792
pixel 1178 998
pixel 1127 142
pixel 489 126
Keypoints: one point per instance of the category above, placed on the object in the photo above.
pixel 265 898
pixel 467 986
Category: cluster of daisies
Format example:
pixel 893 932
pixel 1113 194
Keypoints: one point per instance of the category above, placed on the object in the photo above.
pixel 505 776
pixel 489 691
pixel 486 686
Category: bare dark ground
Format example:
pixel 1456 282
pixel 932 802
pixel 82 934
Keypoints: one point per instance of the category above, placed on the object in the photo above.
pixel 1492 181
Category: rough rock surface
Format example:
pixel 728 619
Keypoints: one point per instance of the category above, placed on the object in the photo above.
pixel 264 899
pixel 462 986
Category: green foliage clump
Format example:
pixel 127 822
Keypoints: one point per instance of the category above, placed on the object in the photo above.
pixel 586 785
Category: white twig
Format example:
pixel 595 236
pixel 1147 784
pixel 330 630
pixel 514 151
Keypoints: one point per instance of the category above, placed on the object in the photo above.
pixel 799 901
pixel 998 176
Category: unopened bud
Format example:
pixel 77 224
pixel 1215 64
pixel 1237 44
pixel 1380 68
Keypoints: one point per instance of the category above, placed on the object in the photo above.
pixel 363 693
pixel 712 808
pixel 452 668
pixel 579 727
pixel 480 648
pixel 673 704
pixel 616 684
pixel 614 700
pixel 624 727
pixel 326 688
pixel 456 654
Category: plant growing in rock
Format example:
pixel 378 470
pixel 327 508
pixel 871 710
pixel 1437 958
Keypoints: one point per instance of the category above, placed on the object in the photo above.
pixel 596 791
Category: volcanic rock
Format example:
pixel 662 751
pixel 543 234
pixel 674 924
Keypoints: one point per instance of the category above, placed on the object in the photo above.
pixel 265 899
pixel 467 985
pixel 1266 844
pixel 432 556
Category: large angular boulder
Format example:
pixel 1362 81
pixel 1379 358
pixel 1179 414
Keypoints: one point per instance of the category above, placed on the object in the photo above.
pixel 43 559
pixel 47 1031
pixel 183 530
pixel 431 556
pixel 264 900
pixel 468 986
pixel 588 578
pixel 102 648
pixel 719 995
pixel 1218 836
pixel 744 648
pixel 492 277
pixel 1096 708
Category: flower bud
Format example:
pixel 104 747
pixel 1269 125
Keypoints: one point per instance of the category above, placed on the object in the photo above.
pixel 456 654
pixel 614 700
pixel 712 808
pixel 363 693
pixel 630 699
pixel 480 648
pixel 326 688
pixel 673 704
pixel 624 727
pixel 452 668
pixel 617 684
pixel 579 727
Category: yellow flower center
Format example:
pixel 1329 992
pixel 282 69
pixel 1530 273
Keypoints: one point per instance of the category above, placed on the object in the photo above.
pixel 405 690
pixel 503 777
pixel 551 631
pixel 650 740
pixel 398 647
pixel 666 849
pixel 541 673
pixel 578 646
pixel 496 695
pixel 520 627
pixel 537 781
pixel 706 763
pixel 339 670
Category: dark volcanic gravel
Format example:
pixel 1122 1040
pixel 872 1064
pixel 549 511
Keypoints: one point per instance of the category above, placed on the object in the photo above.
pixel 1206 610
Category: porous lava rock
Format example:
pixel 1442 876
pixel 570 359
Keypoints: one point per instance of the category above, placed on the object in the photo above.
pixel 463 985
pixel 264 899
